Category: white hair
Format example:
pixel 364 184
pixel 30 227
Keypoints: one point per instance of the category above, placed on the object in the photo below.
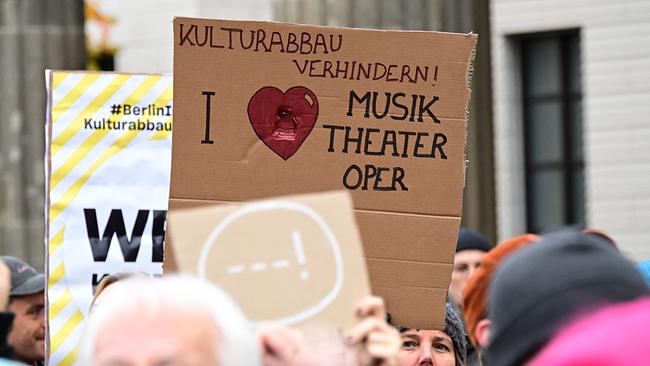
pixel 237 344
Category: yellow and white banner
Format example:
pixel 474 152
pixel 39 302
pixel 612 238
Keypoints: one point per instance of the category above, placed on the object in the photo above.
pixel 107 166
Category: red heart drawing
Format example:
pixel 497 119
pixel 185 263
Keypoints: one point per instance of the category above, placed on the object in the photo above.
pixel 283 120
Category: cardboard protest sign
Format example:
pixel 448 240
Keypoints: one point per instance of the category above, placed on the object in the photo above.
pixel 108 158
pixel 268 109
pixel 292 260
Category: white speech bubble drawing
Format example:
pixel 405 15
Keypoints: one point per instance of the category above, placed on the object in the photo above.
pixel 289 206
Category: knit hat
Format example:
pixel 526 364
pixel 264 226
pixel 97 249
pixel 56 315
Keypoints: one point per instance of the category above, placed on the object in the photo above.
pixel 475 292
pixel 644 267
pixel 537 290
pixel 455 330
pixel 470 239
pixel 614 336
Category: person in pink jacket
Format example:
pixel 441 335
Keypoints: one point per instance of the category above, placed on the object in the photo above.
pixel 614 336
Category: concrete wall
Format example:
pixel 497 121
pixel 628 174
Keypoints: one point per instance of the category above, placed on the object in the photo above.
pixel 615 54
pixel 34 35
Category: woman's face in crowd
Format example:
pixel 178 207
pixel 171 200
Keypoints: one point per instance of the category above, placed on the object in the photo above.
pixel 426 348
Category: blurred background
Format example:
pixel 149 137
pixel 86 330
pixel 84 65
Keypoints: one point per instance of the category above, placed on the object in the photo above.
pixel 559 130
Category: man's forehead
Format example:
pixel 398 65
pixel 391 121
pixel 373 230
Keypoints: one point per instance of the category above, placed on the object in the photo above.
pixel 469 255
pixel 37 298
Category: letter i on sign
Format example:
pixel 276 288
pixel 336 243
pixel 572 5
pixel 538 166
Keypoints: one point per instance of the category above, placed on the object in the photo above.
pixel 208 95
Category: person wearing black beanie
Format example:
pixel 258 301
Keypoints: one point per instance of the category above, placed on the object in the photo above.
pixel 470 249
pixel 543 287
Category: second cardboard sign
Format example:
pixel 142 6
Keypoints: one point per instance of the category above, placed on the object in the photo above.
pixel 291 260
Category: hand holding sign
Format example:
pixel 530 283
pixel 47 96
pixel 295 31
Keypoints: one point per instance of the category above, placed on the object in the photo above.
pixel 379 343
pixel 371 342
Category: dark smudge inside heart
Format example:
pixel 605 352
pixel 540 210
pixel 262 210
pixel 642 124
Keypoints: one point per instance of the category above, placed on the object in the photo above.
pixel 285 125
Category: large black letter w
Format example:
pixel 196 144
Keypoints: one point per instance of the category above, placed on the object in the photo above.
pixel 115 226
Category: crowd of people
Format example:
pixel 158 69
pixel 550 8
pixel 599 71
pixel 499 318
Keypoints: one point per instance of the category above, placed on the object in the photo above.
pixel 565 298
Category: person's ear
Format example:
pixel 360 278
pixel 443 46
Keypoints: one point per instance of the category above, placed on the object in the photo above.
pixel 482 333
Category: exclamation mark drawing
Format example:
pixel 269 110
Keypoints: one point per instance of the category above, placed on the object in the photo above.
pixel 300 253
pixel 435 75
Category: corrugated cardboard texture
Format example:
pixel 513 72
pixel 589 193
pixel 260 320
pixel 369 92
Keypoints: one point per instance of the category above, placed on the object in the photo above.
pixel 269 118
pixel 297 260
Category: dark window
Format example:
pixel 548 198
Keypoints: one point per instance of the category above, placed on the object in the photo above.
pixel 552 99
